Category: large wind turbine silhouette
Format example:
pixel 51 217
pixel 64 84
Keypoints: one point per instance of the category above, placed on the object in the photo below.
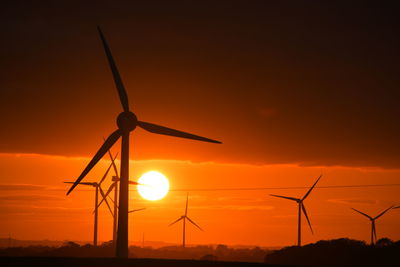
pixel 184 217
pixel 373 219
pixel 127 122
pixel 302 208
pixel 98 188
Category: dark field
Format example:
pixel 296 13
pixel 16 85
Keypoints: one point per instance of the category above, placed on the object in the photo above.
pixel 332 253
pixel 103 262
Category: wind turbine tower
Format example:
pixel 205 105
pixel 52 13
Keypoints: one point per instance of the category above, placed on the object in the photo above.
pixel 373 219
pixel 184 218
pixel 127 121
pixel 98 189
pixel 302 208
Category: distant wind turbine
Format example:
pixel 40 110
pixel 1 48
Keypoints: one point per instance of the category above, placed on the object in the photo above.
pixel 184 217
pixel 98 188
pixel 127 122
pixel 373 219
pixel 115 180
pixel 302 208
pixel 114 186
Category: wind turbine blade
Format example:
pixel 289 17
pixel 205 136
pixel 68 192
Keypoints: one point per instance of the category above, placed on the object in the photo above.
pixel 117 78
pixel 107 193
pixel 383 212
pixel 308 220
pixel 136 210
pixel 194 223
pixel 398 207
pixel 105 174
pixel 290 198
pixel 133 182
pixel 112 200
pixel 374 229
pixel 113 163
pixel 312 187
pixel 153 128
pixel 362 213
pixel 82 183
pixel 100 153
pixel 176 221
pixel 105 199
pixel 187 200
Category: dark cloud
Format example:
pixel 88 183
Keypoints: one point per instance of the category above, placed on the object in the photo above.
pixel 31 198
pixel 279 82
pixel 29 209
pixel 7 187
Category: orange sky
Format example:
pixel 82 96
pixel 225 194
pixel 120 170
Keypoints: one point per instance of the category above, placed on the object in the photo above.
pixel 277 83
pixel 229 217
pixel 291 90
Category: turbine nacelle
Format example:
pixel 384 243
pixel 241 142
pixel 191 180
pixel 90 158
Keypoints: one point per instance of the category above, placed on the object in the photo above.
pixel 127 121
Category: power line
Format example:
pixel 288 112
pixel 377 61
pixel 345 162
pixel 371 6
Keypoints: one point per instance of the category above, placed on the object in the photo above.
pixel 268 188
pixel 243 188
pixel 281 188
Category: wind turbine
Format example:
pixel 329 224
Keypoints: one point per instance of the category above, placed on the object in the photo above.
pixel 372 219
pixel 302 208
pixel 184 217
pixel 114 186
pixel 98 188
pixel 127 122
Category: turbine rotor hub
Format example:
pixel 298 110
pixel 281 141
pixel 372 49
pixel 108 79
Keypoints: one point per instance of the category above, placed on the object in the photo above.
pixel 127 121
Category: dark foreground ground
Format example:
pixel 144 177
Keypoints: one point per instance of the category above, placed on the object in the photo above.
pixel 324 253
pixel 339 253
pixel 111 262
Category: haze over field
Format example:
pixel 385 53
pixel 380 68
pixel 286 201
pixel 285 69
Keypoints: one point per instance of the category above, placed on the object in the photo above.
pixel 256 218
pixel 294 90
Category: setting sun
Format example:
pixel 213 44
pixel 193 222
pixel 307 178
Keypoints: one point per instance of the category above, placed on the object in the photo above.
pixel 211 133
pixel 153 185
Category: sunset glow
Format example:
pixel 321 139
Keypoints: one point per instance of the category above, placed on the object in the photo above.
pixel 153 185
pixel 238 129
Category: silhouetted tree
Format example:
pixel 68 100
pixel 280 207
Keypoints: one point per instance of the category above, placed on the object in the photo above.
pixel 71 244
pixel 209 257
pixel 384 242
pixel 338 252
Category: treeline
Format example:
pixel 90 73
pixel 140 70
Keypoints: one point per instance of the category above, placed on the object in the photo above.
pixel 210 253
pixel 339 252
pixel 69 249
pixel 213 253
pixel 333 253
